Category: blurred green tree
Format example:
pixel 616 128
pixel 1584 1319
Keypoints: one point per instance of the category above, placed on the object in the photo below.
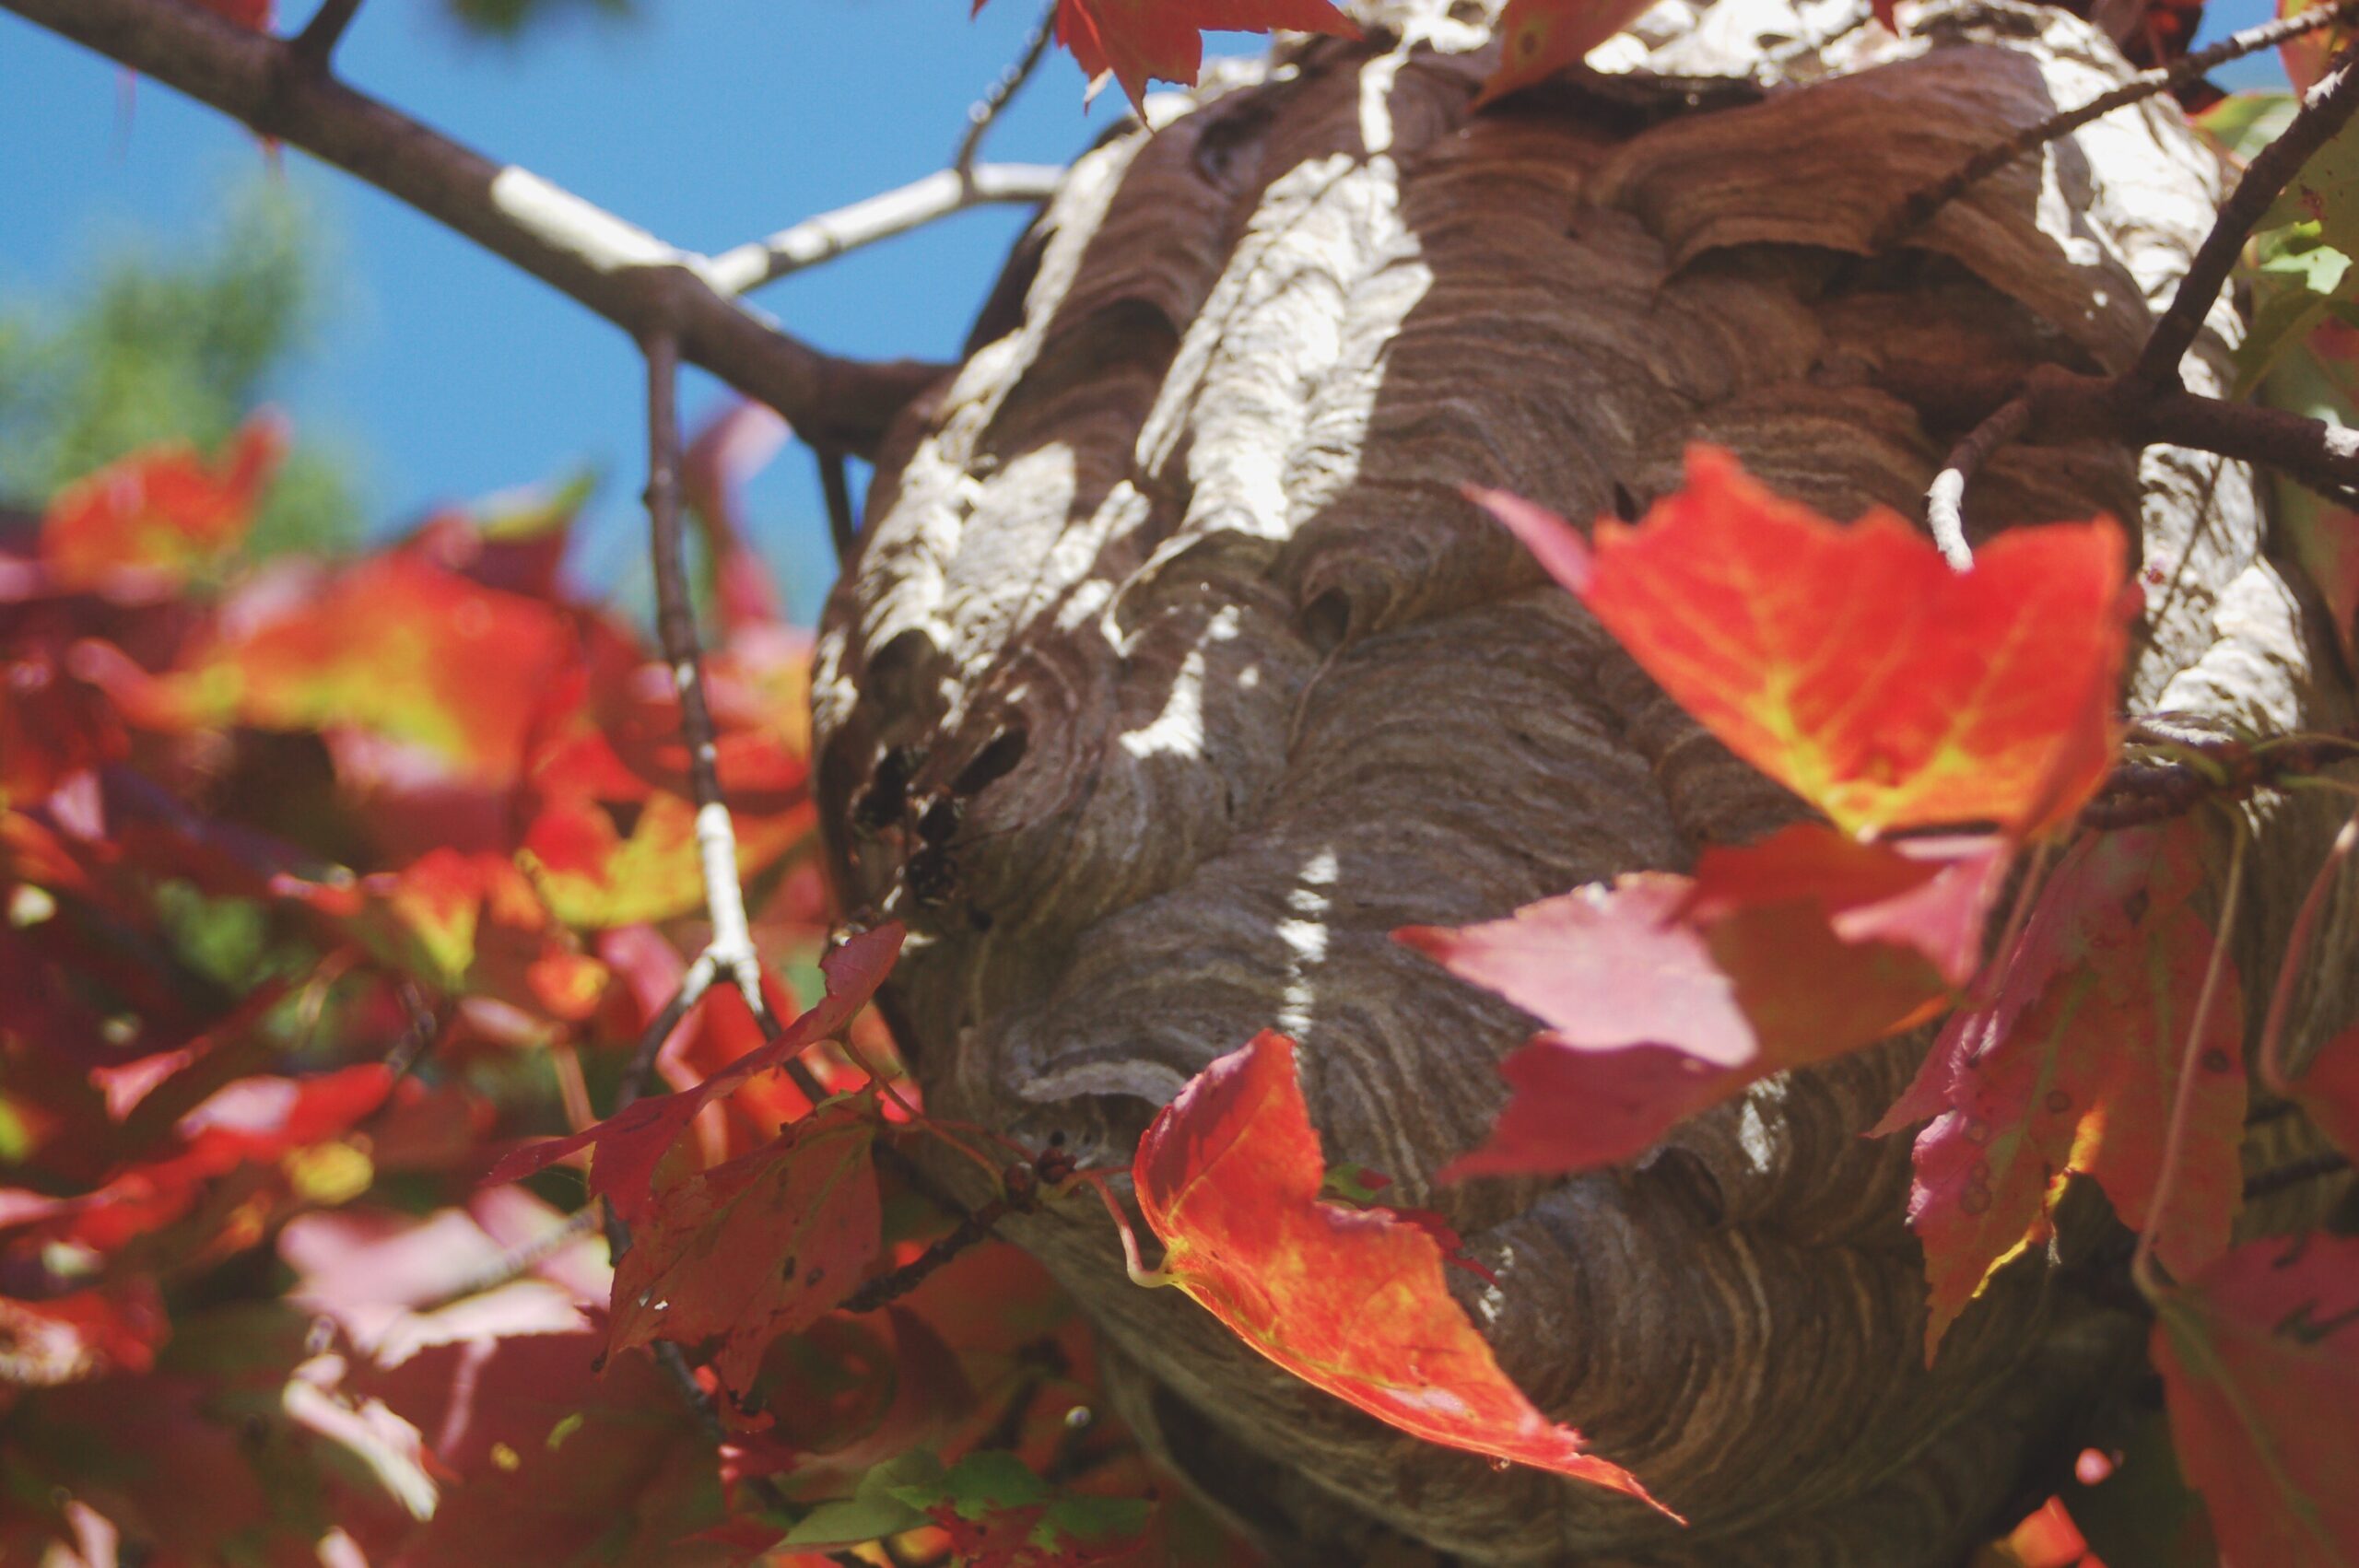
pixel 173 341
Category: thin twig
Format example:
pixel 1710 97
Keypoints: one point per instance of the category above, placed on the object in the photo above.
pixel 2065 405
pixel 2325 109
pixel 730 949
pixel 638 1075
pixel 315 45
pixel 615 268
pixel 517 1261
pixel 2297 948
pixel 425 1031
pixel 985 109
pixel 880 216
pixel 2144 789
pixel 886 1288
pixel 1923 202
pixel 1945 501
pixel 837 488
pixel 2294 1173
pixel 2191 1062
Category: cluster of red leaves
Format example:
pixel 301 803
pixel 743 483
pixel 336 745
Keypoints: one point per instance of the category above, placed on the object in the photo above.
pixel 1893 696
pixel 1137 41
pixel 330 885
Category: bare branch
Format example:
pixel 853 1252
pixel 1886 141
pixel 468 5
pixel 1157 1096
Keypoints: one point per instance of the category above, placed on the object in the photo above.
pixel 730 949
pixel 613 267
pixel 315 45
pixel 2165 777
pixel 2054 405
pixel 880 216
pixel 1922 203
pixel 838 491
pixel 2325 109
pixel 985 109
pixel 1945 501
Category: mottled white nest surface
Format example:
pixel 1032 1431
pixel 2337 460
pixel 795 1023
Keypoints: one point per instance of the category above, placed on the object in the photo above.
pixel 1186 521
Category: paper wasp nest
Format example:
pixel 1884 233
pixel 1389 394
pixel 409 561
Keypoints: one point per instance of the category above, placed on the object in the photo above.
pixel 1173 674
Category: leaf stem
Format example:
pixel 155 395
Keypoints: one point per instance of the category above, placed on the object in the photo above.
pixel 1946 501
pixel 313 47
pixel 985 109
pixel 1150 1279
pixel 2297 948
pixel 2141 1261
pixel 2325 109
pixel 1922 204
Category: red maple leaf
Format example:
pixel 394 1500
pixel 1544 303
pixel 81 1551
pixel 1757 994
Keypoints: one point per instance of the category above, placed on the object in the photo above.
pixel 1662 995
pixel 2072 1068
pixel 2329 1091
pixel 2259 1357
pixel 162 513
pixel 398 647
pixel 1351 1301
pixel 1138 40
pixel 469 925
pixel 69 1337
pixel 630 1145
pixel 1539 38
pixel 251 1121
pixel 1852 664
pixel 756 1247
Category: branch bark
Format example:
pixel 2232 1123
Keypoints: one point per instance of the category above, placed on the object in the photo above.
pixel 880 216
pixel 2326 110
pixel 615 268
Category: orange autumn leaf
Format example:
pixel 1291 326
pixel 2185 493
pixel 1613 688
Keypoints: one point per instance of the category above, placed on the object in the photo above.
pixel 398 646
pixel 1539 37
pixel 1852 664
pixel 467 924
pixel 609 833
pixel 1350 1300
pixel 632 1142
pixel 164 512
pixel 2072 1069
pixel 1138 40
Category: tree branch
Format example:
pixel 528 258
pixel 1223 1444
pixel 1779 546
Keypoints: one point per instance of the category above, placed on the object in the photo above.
pixel 880 216
pixel 1945 502
pixel 613 267
pixel 1922 203
pixel 2325 110
pixel 837 487
pixel 985 109
pixel 316 43
pixel 2058 405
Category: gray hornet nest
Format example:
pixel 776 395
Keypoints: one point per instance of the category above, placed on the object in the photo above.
pixel 1170 590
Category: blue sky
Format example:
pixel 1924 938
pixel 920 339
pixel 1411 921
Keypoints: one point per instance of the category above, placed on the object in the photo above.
pixel 445 374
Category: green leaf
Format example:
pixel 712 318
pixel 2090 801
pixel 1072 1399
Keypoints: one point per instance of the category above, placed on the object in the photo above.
pixel 2325 192
pixel 1094 1519
pixel 890 1498
pixel 854 1520
pixel 2244 123
pixel 981 1484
